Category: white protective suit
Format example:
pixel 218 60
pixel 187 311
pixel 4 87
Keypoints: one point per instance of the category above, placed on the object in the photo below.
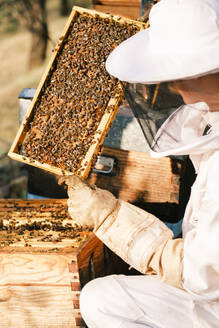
pixel 144 301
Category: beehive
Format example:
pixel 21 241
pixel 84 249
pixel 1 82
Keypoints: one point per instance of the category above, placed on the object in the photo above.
pixel 76 100
pixel 43 270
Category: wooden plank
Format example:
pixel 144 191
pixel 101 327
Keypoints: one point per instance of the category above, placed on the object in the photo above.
pixel 35 290
pixel 118 2
pixel 106 120
pixel 124 8
pixel 36 307
pixel 90 260
pixel 129 11
pixel 139 177
pixel 42 203
pixel 35 270
pixel 85 250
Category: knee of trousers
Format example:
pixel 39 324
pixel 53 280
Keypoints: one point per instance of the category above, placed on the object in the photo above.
pixel 92 297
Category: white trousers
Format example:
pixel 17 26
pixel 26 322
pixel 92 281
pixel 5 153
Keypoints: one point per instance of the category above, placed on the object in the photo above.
pixel 119 301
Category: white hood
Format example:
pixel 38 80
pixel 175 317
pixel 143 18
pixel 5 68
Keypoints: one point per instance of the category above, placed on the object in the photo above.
pixel 182 133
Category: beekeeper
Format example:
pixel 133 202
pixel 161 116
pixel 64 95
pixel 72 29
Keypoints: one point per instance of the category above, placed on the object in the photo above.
pixel 180 282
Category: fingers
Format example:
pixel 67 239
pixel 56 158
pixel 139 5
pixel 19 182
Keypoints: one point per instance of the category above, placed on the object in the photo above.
pixel 72 181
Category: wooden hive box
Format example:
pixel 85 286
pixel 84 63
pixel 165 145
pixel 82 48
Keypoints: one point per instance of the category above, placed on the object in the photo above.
pixel 130 9
pixel 160 186
pixel 69 80
pixel 42 271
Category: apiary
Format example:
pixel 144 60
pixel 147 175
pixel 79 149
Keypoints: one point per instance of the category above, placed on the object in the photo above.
pixel 45 259
pixel 76 100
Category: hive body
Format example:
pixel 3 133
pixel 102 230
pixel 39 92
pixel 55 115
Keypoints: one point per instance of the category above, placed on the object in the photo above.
pixel 40 280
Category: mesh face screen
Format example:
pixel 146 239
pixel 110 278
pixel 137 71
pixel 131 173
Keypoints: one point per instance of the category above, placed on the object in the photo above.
pixel 151 115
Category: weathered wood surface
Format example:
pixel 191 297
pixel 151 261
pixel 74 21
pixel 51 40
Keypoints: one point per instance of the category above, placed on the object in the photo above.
pixel 106 120
pixel 119 2
pixel 35 290
pixel 128 9
pixel 42 290
pixel 40 284
pixel 36 307
pixel 18 269
pixel 139 177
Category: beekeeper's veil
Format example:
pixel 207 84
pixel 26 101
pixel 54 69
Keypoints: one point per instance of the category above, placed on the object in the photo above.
pixel 182 42
pixel 152 105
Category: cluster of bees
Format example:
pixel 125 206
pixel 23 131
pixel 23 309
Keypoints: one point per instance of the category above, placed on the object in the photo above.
pixel 54 230
pixel 75 94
